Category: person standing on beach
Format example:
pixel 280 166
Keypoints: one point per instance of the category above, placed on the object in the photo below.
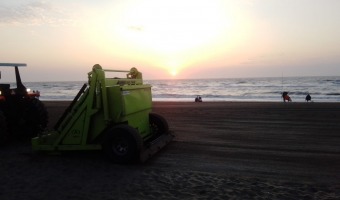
pixel 286 97
pixel 308 98
pixel 198 99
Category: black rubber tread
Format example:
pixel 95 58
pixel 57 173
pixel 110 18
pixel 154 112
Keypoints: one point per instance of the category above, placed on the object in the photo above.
pixel 128 139
pixel 32 120
pixel 158 124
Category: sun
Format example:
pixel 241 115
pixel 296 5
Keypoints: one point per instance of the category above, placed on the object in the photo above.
pixel 173 72
pixel 172 65
pixel 192 32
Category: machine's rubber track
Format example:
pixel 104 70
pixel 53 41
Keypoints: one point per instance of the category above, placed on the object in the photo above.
pixel 154 146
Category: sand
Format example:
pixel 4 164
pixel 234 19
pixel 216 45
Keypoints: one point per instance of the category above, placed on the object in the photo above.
pixel 221 150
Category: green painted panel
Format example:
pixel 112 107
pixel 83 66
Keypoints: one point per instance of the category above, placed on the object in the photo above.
pixel 75 134
pixel 136 99
pixel 115 102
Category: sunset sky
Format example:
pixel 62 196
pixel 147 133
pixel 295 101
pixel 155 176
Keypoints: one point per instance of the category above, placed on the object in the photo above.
pixel 61 40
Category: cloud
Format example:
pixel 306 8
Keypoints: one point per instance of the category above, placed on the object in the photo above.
pixel 136 28
pixel 33 13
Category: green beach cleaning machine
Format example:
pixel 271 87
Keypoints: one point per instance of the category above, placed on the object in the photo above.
pixel 109 114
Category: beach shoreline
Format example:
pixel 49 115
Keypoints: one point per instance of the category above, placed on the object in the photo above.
pixel 221 150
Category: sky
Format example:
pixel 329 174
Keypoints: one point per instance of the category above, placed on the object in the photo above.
pixel 171 39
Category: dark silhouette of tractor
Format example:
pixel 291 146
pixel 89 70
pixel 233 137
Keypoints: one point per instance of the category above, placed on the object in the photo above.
pixel 22 114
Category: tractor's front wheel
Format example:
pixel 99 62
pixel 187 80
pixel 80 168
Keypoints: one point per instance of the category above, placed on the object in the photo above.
pixel 3 129
pixel 30 119
pixel 122 144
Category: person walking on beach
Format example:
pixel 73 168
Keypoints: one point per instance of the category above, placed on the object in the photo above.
pixel 286 97
pixel 308 98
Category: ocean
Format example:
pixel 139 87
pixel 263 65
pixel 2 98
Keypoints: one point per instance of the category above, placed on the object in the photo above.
pixel 321 89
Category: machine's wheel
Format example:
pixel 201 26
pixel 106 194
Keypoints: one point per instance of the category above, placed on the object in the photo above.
pixel 3 129
pixel 158 125
pixel 122 144
pixel 32 120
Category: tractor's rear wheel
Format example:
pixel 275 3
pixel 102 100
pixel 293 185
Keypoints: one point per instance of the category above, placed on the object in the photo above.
pixel 3 129
pixel 122 144
pixel 31 120
pixel 158 124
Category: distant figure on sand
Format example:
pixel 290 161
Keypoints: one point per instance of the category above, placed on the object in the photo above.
pixel 308 98
pixel 198 99
pixel 286 97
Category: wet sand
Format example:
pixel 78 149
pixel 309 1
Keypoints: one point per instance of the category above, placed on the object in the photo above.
pixel 221 150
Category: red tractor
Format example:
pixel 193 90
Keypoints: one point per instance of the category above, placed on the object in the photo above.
pixel 22 114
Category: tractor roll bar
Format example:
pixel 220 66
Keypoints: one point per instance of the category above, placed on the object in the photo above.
pixel 13 64
pixel 111 70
